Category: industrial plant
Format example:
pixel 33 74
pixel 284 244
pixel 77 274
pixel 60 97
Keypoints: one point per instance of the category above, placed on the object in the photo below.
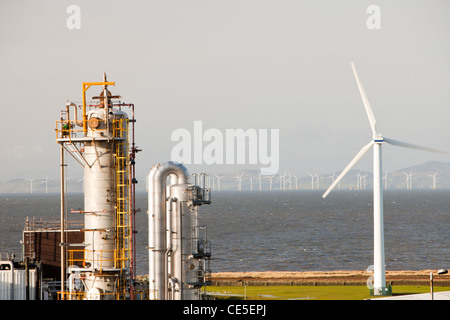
pixel 97 259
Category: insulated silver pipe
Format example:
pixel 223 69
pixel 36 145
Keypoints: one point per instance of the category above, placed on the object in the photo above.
pixel 157 197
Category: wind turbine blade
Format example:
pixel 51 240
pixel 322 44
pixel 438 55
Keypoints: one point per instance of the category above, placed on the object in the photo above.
pixel 412 146
pixel 348 167
pixel 365 101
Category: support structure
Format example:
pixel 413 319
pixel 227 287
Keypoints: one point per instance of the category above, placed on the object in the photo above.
pixel 105 268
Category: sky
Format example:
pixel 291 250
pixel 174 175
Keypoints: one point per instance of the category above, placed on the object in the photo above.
pixel 249 64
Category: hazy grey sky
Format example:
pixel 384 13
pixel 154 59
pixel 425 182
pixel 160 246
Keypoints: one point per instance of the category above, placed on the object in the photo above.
pixel 231 64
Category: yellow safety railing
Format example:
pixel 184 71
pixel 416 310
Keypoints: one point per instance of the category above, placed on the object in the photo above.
pixel 72 128
pixel 142 294
pixel 123 212
pixel 81 257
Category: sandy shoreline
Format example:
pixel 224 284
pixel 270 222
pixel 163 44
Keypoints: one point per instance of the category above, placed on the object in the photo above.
pixel 403 277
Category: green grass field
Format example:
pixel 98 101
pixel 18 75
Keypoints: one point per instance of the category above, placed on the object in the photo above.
pixel 309 292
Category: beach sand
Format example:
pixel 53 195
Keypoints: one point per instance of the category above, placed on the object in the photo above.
pixel 421 277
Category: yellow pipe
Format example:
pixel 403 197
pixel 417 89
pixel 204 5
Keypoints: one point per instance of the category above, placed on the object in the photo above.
pixel 86 86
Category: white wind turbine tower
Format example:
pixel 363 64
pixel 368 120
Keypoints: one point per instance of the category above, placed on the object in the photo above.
pixel 31 185
pixel 270 179
pixel 410 180
pixel 214 183
pixel 290 181
pixel 333 176
pixel 239 181
pixel 312 181
pixel 282 181
pixel 379 285
pixel 218 181
pixel 358 181
pixel 296 182
pixel 407 180
pixel 434 176
pixel 46 184
pixel 260 180
pixel 364 181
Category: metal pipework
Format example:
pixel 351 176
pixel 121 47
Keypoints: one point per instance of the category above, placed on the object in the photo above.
pixel 76 121
pixel 158 226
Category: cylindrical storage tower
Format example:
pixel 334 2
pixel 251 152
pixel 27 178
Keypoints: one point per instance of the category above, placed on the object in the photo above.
pixel 99 205
pixel 100 195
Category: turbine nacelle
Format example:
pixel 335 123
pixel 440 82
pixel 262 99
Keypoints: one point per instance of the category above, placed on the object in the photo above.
pixel 378 139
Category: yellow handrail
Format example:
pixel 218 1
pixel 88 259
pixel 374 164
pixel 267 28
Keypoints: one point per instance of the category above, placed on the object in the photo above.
pixel 87 85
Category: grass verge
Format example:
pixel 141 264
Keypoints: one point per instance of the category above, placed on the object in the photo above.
pixel 308 292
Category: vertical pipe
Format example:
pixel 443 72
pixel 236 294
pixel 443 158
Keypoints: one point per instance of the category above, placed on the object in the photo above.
pixel 379 271
pixel 27 278
pixel 84 109
pixel 62 164
pixel 157 192
pixel 431 285
pixel 133 195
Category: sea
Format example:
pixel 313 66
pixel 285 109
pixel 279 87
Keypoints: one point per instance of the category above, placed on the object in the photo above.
pixel 282 230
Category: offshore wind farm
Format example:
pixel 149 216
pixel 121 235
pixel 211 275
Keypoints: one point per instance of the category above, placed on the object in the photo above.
pixel 429 175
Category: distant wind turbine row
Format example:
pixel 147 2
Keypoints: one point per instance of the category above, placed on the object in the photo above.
pixel 288 181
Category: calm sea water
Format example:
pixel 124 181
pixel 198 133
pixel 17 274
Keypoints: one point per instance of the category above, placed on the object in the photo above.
pixel 285 230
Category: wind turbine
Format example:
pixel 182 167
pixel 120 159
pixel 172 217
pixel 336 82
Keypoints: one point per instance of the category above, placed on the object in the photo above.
pixel 46 184
pixel 407 180
pixel 239 181
pixel 434 179
pixel 270 178
pixel 213 183
pixel 260 180
pixel 284 180
pixel 296 182
pixel 364 181
pixel 31 185
pixel 379 285
pixel 312 181
pixel 358 181
pixel 290 181
pixel 333 176
pixel 218 181
pixel 410 180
